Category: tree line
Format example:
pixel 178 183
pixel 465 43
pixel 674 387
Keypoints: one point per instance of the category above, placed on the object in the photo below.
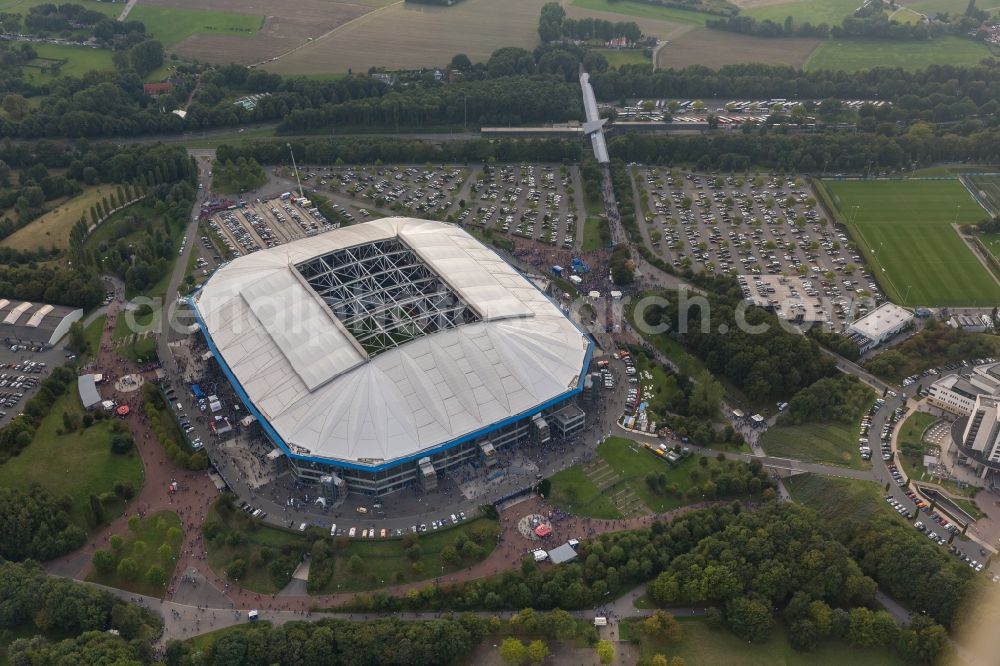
pixel 808 153
pixel 506 100
pixel 377 150
pixel 554 26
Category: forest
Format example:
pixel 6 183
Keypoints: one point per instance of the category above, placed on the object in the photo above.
pixel 769 366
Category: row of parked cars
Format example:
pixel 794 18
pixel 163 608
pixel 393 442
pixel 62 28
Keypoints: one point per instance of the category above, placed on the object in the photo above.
pixel 387 532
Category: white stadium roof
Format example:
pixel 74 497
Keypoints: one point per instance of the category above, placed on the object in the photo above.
pixel 295 327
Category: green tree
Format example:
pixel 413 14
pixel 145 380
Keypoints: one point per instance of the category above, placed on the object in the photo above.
pixel 104 562
pixel 127 569
pixel 156 575
pixel 605 651
pixel 513 651
pixel 537 652
pixel 97 510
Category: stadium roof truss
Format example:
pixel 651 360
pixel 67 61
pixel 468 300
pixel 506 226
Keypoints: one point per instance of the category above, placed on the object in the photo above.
pixel 384 295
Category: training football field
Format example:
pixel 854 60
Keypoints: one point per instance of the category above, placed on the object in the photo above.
pixel 905 230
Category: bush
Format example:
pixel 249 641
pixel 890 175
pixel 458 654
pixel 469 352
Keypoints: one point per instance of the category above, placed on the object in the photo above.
pixel 122 444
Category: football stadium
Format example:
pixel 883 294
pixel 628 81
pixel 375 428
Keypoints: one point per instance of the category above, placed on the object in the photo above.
pixel 378 355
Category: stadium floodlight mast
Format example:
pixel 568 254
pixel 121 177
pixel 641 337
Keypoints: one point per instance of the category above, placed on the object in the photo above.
pixel 296 170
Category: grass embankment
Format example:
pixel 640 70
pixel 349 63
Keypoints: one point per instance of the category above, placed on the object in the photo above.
pixel 623 467
pixel 829 442
pixel 574 492
pixel 831 497
pixel 78 464
pixel 92 334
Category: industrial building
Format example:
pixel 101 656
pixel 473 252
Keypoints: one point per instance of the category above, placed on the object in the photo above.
pixel 35 323
pixel 379 355
pixel 883 323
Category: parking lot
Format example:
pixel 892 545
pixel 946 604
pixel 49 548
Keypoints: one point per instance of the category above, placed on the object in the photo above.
pixel 259 224
pixel 535 201
pixel 530 201
pixel 753 227
pixel 21 372
pixel 415 191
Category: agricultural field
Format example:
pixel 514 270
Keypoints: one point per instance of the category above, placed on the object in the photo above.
pixel 419 35
pixel 932 7
pixel 52 229
pixel 904 228
pixel 717 48
pixel 112 9
pixel 171 26
pixel 831 12
pixel 858 54
pixel 658 22
pixel 293 26
pixel 639 10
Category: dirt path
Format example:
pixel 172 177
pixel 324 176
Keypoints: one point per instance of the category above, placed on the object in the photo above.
pixel 128 8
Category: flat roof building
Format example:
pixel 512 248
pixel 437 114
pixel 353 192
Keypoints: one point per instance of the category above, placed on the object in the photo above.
pixel 365 349
pixel 882 324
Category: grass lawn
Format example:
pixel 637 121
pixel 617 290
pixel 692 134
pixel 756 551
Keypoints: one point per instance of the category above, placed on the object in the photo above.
pixel 572 491
pixel 970 507
pixel 633 463
pixel 81 60
pixel 904 229
pixel 171 25
pixel 592 233
pixel 151 531
pixel 703 645
pixel 77 464
pixel 616 58
pixel 831 12
pixel 642 10
pixel 385 561
pixel 856 54
pixel 837 498
pixel 52 229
